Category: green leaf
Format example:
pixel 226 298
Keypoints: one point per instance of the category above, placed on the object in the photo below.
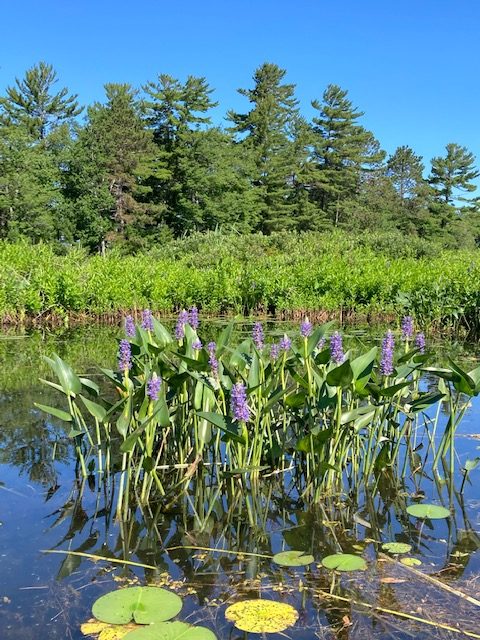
pixel 58 413
pixel 344 562
pixel 430 511
pixel 470 465
pixel 144 605
pixel 293 558
pixel 96 410
pixel 397 547
pixel 424 401
pixel 340 376
pixel 411 562
pixel 362 368
pixel 261 616
pixel 229 428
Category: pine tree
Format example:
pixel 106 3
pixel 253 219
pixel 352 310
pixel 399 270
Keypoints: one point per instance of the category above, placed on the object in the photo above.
pixel 267 132
pixel 33 103
pixel 113 159
pixel 453 173
pixel 342 151
pixel 405 169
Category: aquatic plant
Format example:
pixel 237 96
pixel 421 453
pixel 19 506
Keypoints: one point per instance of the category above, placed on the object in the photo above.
pixel 261 616
pixel 332 418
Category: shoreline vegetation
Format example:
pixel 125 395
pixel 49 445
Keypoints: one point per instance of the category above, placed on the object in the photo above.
pixel 372 278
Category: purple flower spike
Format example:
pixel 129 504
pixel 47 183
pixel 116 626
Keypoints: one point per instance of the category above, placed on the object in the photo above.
pixel 124 355
pixel 153 387
pixel 147 320
pixel 181 322
pixel 386 362
pixel 336 348
pixel 274 351
pixel 212 360
pixel 321 344
pixel 306 328
pixel 197 344
pixel 285 343
pixel 238 403
pixel 407 328
pixel 420 342
pixel 193 320
pixel 258 335
pixel 129 327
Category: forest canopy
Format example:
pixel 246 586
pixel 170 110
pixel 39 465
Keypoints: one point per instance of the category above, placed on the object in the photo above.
pixel 149 164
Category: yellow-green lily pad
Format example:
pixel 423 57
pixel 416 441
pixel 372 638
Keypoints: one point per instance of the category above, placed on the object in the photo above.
pixel 171 631
pixel 293 558
pixel 344 562
pixel 397 547
pixel 411 562
pixel 430 511
pixel 144 605
pixel 261 616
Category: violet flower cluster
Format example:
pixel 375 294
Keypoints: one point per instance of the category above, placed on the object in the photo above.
pixel 386 361
pixel 124 355
pixel 153 387
pixel 306 328
pixel 197 344
pixel 285 343
pixel 321 344
pixel 407 328
pixel 238 402
pixel 420 342
pixel 274 351
pixel 181 322
pixel 129 327
pixel 336 348
pixel 212 360
pixel 147 320
pixel 193 319
pixel 258 335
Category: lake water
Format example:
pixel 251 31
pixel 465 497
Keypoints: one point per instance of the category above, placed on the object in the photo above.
pixel 44 506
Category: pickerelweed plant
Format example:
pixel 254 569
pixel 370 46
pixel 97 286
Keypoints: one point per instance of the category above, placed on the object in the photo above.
pixel 303 408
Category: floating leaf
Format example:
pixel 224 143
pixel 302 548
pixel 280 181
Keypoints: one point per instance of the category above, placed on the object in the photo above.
pixel 397 547
pixel 106 631
pixel 261 616
pixel 171 631
pixel 430 511
pixel 293 558
pixel 411 562
pixel 142 604
pixel 344 562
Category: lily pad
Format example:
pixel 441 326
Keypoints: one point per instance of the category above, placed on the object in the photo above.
pixel 397 547
pixel 171 631
pixel 261 616
pixel 144 605
pixel 344 562
pixel 430 511
pixel 106 631
pixel 293 558
pixel 411 562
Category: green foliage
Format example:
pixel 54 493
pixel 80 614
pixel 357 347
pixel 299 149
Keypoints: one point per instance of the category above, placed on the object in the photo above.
pixel 143 605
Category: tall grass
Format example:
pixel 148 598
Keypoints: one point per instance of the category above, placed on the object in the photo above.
pixel 284 274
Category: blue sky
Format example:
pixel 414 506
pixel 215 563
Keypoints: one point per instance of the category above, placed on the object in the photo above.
pixel 411 65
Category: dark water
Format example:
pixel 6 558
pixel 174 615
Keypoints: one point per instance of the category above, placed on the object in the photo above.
pixel 44 506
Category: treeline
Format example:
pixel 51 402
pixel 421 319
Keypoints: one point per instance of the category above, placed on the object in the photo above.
pixel 147 165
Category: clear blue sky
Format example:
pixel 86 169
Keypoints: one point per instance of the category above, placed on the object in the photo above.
pixel 411 65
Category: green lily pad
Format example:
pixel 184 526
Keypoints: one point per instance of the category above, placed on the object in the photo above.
pixel 144 605
pixel 411 562
pixel 261 616
pixel 397 547
pixel 171 631
pixel 430 511
pixel 293 558
pixel 344 562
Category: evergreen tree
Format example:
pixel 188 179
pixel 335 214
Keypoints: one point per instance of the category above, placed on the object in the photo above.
pixel 32 103
pixel 112 161
pixel 405 169
pixel 342 151
pixel 453 173
pixel 266 131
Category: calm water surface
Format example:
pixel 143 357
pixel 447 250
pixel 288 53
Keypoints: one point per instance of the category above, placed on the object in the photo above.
pixel 43 505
